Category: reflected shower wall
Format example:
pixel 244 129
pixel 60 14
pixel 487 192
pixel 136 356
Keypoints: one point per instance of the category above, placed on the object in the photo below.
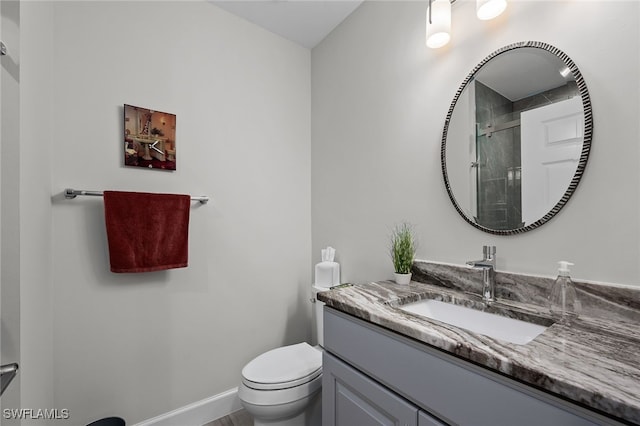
pixel 498 153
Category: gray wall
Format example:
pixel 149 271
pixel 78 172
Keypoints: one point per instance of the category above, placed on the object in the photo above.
pixel 140 345
pixel 10 334
pixel 379 100
pixel 36 283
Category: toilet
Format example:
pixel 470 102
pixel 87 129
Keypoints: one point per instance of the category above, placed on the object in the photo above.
pixel 282 387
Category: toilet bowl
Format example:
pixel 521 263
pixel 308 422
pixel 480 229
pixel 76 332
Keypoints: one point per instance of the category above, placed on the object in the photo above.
pixel 282 387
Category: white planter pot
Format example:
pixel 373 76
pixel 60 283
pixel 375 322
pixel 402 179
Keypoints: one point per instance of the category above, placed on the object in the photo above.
pixel 402 278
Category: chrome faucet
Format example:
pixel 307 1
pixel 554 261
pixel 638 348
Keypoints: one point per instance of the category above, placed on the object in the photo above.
pixel 488 266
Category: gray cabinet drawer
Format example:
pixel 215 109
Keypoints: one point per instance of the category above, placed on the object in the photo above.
pixel 451 389
pixel 349 398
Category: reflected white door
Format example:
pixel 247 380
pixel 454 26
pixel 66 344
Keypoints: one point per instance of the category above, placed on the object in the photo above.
pixel 551 138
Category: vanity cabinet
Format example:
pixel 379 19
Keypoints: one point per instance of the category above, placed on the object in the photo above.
pixel 351 398
pixel 374 376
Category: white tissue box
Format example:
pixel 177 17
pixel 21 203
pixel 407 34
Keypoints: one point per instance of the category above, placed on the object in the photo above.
pixel 327 274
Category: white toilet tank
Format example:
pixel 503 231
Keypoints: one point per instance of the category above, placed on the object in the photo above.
pixel 317 314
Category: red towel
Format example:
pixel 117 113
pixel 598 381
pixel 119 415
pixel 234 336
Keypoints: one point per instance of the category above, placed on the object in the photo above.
pixel 146 232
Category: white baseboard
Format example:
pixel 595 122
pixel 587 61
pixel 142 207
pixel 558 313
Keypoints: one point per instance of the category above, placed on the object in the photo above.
pixel 200 412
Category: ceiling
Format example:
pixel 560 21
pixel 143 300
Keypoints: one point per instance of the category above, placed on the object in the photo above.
pixel 305 22
pixel 308 22
pixel 521 73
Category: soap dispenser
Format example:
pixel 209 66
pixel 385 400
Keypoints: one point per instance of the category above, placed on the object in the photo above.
pixel 563 300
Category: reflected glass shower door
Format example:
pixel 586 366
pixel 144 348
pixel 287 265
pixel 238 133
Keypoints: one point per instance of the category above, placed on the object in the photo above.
pixel 499 173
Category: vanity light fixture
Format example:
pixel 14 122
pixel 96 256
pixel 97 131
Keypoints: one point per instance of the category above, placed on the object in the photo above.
pixel 565 71
pixel 489 9
pixel 439 18
pixel 438 23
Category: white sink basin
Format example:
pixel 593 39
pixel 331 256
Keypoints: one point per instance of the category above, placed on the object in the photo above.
pixel 492 325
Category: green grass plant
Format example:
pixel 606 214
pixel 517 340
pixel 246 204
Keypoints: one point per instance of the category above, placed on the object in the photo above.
pixel 403 248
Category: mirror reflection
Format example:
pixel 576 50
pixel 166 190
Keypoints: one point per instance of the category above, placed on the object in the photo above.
pixel 514 142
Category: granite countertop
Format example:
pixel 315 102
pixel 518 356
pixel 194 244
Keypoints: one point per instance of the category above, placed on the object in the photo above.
pixel 593 362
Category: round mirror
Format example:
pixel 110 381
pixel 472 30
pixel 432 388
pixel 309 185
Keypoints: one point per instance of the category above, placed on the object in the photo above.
pixel 516 138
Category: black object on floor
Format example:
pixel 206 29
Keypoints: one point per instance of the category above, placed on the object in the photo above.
pixel 108 421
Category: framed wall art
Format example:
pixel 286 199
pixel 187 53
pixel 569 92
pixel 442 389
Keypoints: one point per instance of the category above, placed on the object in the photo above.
pixel 149 138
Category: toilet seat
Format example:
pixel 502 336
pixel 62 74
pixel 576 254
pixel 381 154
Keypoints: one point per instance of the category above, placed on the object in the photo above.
pixel 282 385
pixel 276 397
pixel 283 368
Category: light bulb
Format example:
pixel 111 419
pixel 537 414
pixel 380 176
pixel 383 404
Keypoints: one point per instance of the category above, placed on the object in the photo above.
pixel 489 9
pixel 439 29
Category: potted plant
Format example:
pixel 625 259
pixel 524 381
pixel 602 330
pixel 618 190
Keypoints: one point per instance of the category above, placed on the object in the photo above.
pixel 403 250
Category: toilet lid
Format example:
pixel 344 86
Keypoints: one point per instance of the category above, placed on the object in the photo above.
pixel 283 367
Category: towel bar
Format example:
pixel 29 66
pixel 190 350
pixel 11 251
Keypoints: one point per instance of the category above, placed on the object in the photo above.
pixel 73 193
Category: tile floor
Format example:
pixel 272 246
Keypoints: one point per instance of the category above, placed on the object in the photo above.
pixel 239 418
